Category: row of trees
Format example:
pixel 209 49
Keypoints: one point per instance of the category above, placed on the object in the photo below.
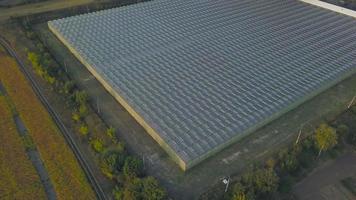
pixel 125 170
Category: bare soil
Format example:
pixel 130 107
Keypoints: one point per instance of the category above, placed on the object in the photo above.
pixel 324 182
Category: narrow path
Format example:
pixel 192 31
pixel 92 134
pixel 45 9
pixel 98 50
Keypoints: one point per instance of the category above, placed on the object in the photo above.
pixel 67 136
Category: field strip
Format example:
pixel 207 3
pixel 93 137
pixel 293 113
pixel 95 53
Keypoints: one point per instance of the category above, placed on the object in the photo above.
pixel 68 179
pixel 19 179
pixel 31 150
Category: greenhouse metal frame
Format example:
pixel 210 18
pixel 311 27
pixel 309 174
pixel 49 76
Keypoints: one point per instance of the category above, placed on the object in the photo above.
pixel 199 75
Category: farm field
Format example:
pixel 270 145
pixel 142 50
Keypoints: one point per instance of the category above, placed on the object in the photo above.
pixel 64 171
pixel 19 179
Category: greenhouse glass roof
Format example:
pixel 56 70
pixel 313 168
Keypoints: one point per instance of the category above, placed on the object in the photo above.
pixel 201 74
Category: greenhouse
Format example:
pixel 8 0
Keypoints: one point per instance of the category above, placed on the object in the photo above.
pixel 199 75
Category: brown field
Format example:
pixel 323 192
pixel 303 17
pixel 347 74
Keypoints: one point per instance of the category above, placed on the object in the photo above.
pixel 65 173
pixel 19 179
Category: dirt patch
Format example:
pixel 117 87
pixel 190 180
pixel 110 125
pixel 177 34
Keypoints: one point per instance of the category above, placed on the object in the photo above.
pixel 325 181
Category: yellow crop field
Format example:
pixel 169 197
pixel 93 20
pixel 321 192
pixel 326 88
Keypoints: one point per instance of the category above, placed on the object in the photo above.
pixel 19 179
pixel 68 179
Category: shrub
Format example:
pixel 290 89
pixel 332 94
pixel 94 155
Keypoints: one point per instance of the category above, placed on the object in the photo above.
pixel 111 132
pixel 76 117
pixel 84 130
pixel 80 97
pixel 118 193
pixel 112 161
pixel 68 87
pixel 133 167
pixel 97 145
pixel 151 190
pixel 83 111
pixel 133 189
pixel 325 138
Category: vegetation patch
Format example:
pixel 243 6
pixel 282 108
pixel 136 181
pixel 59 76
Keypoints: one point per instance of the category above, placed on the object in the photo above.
pixel 68 178
pixel 19 179
pixel 127 171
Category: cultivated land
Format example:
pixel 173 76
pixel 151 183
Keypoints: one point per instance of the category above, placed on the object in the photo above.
pixel 64 171
pixel 19 179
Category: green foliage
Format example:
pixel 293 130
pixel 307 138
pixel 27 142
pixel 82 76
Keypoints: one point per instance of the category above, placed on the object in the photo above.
pixel 133 167
pixel 28 142
pixel 83 111
pixel 98 145
pixel 288 160
pixel 140 189
pixel 76 117
pixel 68 87
pixel 80 97
pixel 239 192
pixel 118 193
pixel 83 129
pixel 151 189
pixel 132 190
pixel 325 137
pixel 111 132
pixel 112 161
pixel 256 183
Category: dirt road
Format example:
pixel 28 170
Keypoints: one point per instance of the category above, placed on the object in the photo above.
pixel 324 182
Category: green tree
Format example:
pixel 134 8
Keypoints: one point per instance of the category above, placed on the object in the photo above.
pixel 325 138
pixel 133 189
pixel 151 190
pixel 112 160
pixel 133 167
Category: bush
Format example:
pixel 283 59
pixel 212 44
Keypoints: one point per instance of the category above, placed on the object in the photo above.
pixel 151 190
pixel 97 145
pixel 133 167
pixel 76 117
pixel 259 183
pixel 84 130
pixel 112 161
pixel 83 111
pixel 111 132
pixel 325 138
pixel 68 87
pixel 118 193
pixel 80 97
